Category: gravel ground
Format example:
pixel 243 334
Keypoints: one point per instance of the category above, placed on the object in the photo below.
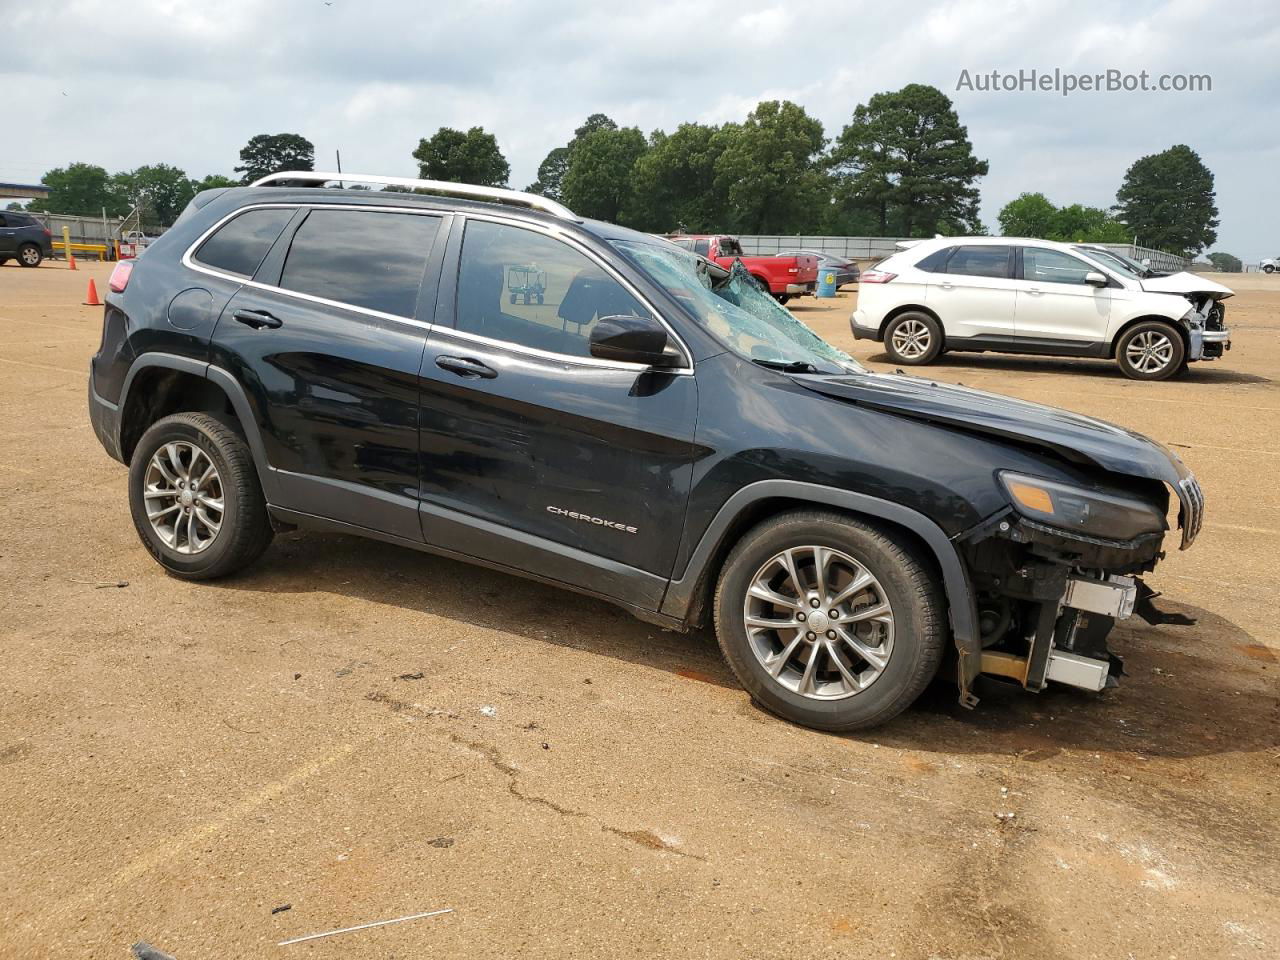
pixel 176 760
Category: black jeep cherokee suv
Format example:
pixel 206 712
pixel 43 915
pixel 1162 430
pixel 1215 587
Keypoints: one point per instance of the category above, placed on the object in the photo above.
pixel 656 432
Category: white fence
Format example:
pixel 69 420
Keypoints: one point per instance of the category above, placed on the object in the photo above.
pixel 866 249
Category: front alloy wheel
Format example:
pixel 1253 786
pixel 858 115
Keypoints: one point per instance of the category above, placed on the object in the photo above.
pixel 819 622
pixel 829 621
pixel 1151 350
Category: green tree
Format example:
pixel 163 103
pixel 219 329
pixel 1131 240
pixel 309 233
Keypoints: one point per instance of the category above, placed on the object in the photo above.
pixel 80 189
pixel 1226 263
pixel 555 165
pixel 906 157
pixel 675 184
pixel 1033 215
pixel 471 157
pixel 551 174
pixel 598 181
pixel 1167 201
pixel 770 170
pixel 215 181
pixel 272 152
pixel 161 191
pixel 1080 224
pixel 1030 215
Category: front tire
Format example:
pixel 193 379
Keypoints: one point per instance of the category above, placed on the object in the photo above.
pixel 914 339
pixel 1269 268
pixel 1150 350
pixel 195 497
pixel 30 255
pixel 829 622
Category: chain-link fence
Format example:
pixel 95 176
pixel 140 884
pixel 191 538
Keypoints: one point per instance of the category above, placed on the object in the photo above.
pixel 869 249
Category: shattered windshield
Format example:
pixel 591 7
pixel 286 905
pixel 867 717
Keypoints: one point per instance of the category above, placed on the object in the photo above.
pixel 737 312
pixel 1117 262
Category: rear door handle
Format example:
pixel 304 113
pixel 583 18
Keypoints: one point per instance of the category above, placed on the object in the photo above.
pixel 947 286
pixel 466 367
pixel 257 319
pixel 1035 290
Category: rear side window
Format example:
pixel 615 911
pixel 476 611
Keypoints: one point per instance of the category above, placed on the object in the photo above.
pixel 362 257
pixel 935 262
pixel 240 244
pixel 700 247
pixel 980 262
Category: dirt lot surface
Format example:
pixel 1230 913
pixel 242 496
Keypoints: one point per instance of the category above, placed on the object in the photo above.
pixel 176 760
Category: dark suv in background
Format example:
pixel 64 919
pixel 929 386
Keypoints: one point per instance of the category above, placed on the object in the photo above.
pixel 23 238
pixel 656 432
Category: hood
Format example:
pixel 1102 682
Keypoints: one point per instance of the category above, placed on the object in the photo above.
pixel 1185 283
pixel 1076 438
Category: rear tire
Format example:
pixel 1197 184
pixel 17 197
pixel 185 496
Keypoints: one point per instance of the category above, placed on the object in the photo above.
pixel 1269 268
pixel 215 522
pixel 842 689
pixel 1151 350
pixel 30 255
pixel 914 339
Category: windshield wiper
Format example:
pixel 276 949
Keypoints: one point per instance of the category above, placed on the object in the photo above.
pixel 787 366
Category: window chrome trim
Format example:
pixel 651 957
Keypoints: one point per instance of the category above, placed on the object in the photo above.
pixel 189 261
pixel 564 236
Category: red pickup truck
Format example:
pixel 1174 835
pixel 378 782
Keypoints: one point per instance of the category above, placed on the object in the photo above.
pixel 784 277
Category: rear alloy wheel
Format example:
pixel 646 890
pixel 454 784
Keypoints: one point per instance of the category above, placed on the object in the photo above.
pixel 913 339
pixel 29 255
pixel 1150 351
pixel 1268 268
pixel 828 622
pixel 195 497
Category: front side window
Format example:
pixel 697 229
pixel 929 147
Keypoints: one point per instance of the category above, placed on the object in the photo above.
pixel 1050 266
pixel 981 261
pixel 366 258
pixel 526 288
pixel 240 244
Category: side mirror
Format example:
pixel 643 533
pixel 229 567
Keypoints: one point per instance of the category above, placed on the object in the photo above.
pixel 1095 278
pixel 630 340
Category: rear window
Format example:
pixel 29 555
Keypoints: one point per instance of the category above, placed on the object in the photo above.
pixel 240 244
pixel 362 257
pixel 981 261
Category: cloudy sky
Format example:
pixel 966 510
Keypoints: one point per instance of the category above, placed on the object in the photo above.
pixel 126 82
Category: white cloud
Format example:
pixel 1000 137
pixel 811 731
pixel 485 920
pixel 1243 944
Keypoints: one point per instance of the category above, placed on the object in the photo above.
pixel 184 83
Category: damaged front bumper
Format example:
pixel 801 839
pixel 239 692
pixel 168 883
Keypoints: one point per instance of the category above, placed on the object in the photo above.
pixel 1048 598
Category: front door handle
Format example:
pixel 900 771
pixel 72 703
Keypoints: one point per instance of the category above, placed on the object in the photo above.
pixel 257 319
pixel 466 367
pixel 1035 291
pixel 947 286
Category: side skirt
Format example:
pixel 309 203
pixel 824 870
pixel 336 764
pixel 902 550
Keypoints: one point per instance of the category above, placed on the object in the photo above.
pixel 308 521
pixel 1030 345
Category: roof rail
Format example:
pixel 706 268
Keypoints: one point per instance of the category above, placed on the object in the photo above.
pixel 470 190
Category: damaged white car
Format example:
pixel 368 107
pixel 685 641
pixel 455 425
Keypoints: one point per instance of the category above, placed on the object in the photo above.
pixel 1011 295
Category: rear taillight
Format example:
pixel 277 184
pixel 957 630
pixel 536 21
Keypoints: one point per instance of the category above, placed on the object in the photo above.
pixel 120 276
pixel 875 276
pixel 48 233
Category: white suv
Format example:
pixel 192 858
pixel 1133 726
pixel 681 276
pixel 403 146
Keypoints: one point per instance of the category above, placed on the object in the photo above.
pixel 1035 296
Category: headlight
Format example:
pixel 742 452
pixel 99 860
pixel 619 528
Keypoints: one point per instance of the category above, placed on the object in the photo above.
pixel 1076 510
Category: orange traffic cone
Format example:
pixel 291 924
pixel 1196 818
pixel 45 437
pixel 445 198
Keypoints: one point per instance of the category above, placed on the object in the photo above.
pixel 91 298
pixel 71 260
